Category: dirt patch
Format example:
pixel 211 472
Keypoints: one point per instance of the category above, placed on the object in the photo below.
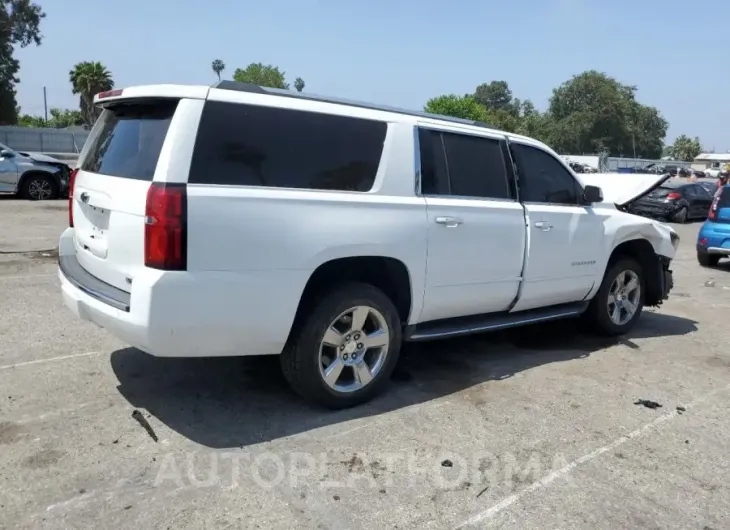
pixel 718 362
pixel 59 207
pixel 43 459
pixel 9 432
pixel 51 254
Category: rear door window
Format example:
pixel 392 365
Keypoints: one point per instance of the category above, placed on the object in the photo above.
pixel 248 145
pixel 462 165
pixel 130 139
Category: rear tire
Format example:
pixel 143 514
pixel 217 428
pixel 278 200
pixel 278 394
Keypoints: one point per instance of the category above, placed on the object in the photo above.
pixel 617 306
pixel 681 216
pixel 707 260
pixel 318 360
pixel 39 187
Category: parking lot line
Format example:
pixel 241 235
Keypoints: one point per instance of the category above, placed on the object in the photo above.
pixel 39 361
pixel 505 503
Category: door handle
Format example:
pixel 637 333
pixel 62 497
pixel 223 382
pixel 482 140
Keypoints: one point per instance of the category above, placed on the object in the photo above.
pixel 542 225
pixel 84 197
pixel 450 222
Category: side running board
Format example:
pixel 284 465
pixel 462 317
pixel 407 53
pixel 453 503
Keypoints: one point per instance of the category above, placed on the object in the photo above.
pixel 454 327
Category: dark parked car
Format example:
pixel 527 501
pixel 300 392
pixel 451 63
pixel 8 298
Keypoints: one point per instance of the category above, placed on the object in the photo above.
pixel 676 200
pixel 709 184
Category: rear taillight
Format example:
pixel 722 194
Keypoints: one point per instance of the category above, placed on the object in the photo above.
pixel 71 182
pixel 713 207
pixel 674 196
pixel 165 229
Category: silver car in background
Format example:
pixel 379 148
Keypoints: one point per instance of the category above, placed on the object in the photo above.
pixel 32 176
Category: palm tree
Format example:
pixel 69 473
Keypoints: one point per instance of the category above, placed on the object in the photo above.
pixel 218 66
pixel 88 79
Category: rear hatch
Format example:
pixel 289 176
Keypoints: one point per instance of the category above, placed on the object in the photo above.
pixel 658 197
pixel 110 188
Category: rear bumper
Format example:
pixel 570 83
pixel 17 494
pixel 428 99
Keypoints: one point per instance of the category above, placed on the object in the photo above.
pixel 183 314
pixel 655 211
pixel 77 276
pixel 714 238
pixel 714 250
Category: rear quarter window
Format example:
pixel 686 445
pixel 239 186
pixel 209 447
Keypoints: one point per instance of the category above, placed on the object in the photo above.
pixel 248 145
pixel 130 139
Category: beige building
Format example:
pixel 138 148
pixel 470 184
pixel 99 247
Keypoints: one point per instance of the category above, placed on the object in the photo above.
pixel 707 161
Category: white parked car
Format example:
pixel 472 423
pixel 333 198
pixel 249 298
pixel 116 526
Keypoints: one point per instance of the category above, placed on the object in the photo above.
pixel 239 220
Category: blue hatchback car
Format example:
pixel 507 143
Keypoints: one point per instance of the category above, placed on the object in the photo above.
pixel 713 241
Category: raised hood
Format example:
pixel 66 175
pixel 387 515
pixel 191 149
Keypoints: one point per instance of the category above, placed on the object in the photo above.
pixel 624 188
pixel 40 157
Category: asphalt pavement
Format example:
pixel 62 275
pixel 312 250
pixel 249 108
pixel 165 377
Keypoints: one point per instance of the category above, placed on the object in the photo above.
pixel 533 428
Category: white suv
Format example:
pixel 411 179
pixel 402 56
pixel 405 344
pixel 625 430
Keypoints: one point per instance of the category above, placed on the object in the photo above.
pixel 240 220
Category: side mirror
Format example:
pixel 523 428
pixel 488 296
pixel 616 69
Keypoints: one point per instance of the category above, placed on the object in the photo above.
pixel 5 153
pixel 592 194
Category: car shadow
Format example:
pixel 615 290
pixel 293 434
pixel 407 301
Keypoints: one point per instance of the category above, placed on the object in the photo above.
pixel 235 402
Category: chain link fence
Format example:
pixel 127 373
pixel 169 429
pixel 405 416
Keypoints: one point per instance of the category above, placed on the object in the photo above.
pixel 43 140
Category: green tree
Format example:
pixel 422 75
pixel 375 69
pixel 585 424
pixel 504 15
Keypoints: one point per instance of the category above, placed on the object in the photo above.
pixel 464 107
pixel 218 66
pixel 88 78
pixel 467 108
pixel 299 84
pixel 593 112
pixel 261 74
pixel 59 119
pixel 495 96
pixel 19 26
pixel 648 128
pixel 685 148
pixel 27 120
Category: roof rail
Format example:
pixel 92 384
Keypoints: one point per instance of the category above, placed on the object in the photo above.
pixel 256 89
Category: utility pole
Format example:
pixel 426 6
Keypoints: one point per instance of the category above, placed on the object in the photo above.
pixel 45 104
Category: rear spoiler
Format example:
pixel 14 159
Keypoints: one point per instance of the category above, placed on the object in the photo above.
pixel 152 91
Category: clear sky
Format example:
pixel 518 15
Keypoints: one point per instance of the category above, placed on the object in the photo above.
pixel 402 52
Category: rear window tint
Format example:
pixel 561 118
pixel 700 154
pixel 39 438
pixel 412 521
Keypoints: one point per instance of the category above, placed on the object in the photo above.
pixel 130 139
pixel 249 145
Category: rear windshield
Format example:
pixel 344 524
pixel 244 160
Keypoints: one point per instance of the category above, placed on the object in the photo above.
pixel 662 191
pixel 130 139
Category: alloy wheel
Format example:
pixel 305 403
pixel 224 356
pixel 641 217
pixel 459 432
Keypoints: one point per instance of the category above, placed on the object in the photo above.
pixel 624 297
pixel 39 189
pixel 353 349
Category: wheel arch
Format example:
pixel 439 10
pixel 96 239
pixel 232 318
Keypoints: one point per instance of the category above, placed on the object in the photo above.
pixel 54 175
pixel 642 250
pixel 389 274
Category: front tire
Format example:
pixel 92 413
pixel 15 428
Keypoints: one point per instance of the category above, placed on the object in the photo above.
pixel 344 351
pixel 39 187
pixel 706 259
pixel 618 304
